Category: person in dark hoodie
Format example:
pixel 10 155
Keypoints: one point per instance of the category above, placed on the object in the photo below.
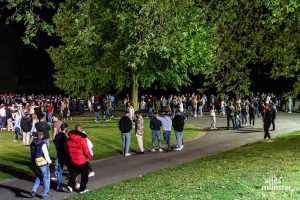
pixel 43 126
pixel 26 128
pixel 155 125
pixel 80 155
pixel 178 125
pixel 267 119
pixel 63 158
pixel 125 126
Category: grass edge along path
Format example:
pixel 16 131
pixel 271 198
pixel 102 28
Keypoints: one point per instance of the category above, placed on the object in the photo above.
pixel 254 171
pixel 15 158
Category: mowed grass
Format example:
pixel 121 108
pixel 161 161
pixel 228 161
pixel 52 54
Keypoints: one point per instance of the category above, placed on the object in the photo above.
pixel 15 158
pixel 240 173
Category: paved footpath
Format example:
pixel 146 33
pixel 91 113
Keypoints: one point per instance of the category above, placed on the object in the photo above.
pixel 120 168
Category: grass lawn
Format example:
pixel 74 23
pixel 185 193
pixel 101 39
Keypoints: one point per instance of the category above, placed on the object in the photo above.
pixel 15 158
pixel 247 172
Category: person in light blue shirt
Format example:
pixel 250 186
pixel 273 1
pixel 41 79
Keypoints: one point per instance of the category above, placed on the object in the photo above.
pixel 166 123
pixel 17 124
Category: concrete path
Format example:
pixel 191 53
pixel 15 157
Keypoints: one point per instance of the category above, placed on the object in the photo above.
pixel 120 168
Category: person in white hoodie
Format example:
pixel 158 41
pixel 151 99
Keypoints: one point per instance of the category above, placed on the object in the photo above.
pixel 17 124
pixel 213 118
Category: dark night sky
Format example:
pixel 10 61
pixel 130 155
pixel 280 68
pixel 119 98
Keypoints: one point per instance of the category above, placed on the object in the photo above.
pixel 25 69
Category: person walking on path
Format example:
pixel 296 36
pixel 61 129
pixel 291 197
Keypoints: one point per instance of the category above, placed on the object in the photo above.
pixel 125 126
pixel 178 125
pixel 230 115
pixel 26 127
pixel 139 131
pixel 79 152
pixel 155 127
pixel 267 123
pixel 63 158
pixel 166 123
pixel 40 151
pixel 252 115
pixel 274 113
pixel 213 118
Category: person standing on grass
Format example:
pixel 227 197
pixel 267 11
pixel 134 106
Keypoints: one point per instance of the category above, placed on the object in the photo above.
pixel 125 126
pixel 139 131
pixel 33 130
pixel 267 123
pixel 43 126
pixel 90 145
pixel 178 125
pixel 2 117
pixel 26 127
pixel 79 152
pixel 63 158
pixel 166 123
pixel 17 124
pixel 155 124
pixel 97 111
pixel 56 128
pixel 39 149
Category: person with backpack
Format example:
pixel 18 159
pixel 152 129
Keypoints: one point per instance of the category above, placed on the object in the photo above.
pixel 26 128
pixel 43 126
pixel 41 161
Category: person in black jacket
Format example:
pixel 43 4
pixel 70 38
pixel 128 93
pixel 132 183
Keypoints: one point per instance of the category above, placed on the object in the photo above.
pixel 155 125
pixel 178 125
pixel 62 155
pixel 26 128
pixel 274 113
pixel 267 123
pixel 125 126
pixel 252 114
pixel 43 126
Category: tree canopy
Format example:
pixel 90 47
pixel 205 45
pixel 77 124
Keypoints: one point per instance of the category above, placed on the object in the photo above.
pixel 118 44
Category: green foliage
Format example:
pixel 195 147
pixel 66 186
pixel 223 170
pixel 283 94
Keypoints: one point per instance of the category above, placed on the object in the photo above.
pixel 253 32
pixel 27 13
pixel 107 43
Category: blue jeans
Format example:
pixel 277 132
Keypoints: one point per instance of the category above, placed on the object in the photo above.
pixel 17 132
pixel 97 116
pixel 60 168
pixel 156 134
pixel 125 142
pixel 49 117
pixel 150 112
pixel 45 177
pixel 179 138
pixel 200 110
pixel 167 137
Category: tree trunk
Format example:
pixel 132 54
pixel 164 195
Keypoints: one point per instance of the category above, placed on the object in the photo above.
pixel 135 91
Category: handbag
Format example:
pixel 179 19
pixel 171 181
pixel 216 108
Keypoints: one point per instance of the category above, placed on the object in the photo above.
pixel 40 161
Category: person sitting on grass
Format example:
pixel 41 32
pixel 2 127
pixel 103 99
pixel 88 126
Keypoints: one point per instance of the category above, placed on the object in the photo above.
pixel 90 145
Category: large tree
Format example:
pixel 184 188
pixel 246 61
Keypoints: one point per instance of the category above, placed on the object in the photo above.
pixel 118 44
pixel 252 33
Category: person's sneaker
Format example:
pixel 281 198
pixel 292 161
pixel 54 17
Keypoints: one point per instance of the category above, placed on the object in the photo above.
pixel 177 149
pixel 127 154
pixel 160 150
pixel 77 185
pixel 84 191
pixel 69 189
pixel 181 147
pixel 15 141
pixel 270 140
pixel 32 194
pixel 62 189
pixel 153 150
pixel 53 179
pixel 92 173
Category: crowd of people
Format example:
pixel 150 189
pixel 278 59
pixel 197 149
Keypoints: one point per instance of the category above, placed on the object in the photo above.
pixel 32 115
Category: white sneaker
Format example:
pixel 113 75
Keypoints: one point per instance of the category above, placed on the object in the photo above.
pixel 15 140
pixel 127 154
pixel 181 147
pixel 177 149
pixel 160 150
pixel 69 189
pixel 92 173
pixel 53 178
pixel 153 150
pixel 84 191
pixel 77 185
